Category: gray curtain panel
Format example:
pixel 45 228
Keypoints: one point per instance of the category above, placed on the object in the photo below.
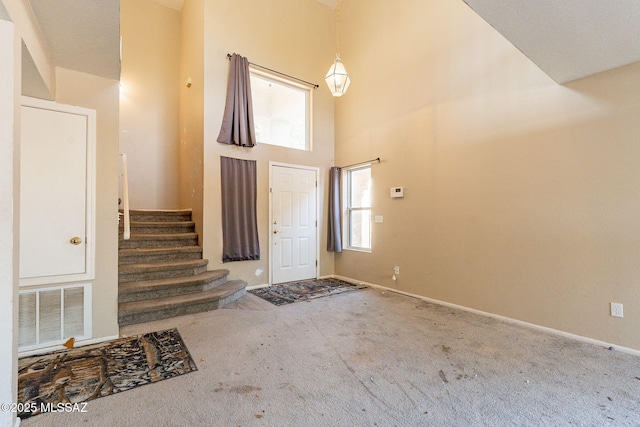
pixel 237 122
pixel 334 233
pixel 239 223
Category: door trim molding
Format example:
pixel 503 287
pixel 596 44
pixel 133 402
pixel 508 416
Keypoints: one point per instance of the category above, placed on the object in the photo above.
pixel 90 244
pixel 270 228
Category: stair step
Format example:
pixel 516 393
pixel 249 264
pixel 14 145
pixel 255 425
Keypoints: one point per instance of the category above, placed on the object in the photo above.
pixel 161 288
pixel 161 308
pixel 147 255
pixel 159 240
pixel 140 215
pixel 137 272
pixel 156 227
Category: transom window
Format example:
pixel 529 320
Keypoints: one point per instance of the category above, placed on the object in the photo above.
pixel 359 208
pixel 281 110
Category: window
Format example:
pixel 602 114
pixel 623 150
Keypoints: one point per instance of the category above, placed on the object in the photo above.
pixel 359 208
pixel 281 111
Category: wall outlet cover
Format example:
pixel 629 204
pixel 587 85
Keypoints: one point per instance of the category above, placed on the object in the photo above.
pixel 616 310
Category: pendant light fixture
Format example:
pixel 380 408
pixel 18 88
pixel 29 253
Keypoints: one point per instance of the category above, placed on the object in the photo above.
pixel 337 78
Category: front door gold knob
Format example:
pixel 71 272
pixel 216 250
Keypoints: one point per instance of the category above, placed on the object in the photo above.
pixel 275 231
pixel 75 240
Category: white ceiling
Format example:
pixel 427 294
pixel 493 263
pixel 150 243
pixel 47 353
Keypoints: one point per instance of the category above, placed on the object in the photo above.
pixel 568 39
pixel 83 35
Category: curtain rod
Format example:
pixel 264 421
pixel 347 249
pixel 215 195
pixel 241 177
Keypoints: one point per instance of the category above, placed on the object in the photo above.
pixel 377 159
pixel 315 86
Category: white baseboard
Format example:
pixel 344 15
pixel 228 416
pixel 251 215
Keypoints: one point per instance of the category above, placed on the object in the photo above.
pixel 61 347
pixel 499 317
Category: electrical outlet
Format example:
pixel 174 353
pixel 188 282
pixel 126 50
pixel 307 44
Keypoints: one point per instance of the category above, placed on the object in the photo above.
pixel 616 310
pixel 396 270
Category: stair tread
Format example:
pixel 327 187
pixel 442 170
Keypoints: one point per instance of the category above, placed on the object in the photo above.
pixel 128 268
pixel 163 223
pixel 207 276
pixel 146 227
pixel 150 211
pixel 227 288
pixel 159 250
pixel 162 236
pixel 140 215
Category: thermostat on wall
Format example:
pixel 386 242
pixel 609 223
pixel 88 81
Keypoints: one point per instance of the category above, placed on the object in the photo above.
pixel 397 192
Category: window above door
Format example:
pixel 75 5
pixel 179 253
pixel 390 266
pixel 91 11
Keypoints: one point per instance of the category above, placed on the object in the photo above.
pixel 281 110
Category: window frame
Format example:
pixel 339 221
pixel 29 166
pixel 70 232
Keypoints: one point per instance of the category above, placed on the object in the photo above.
pixel 295 85
pixel 349 210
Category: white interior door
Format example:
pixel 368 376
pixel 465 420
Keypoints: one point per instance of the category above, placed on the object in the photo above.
pixel 294 226
pixel 54 181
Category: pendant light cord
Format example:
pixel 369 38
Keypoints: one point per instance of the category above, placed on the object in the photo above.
pixel 338 28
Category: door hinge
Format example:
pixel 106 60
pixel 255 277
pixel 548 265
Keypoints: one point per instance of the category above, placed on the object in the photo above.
pixel 316 263
pixel 270 190
pixel 316 222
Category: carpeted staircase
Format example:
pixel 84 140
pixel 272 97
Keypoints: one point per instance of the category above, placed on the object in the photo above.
pixel 161 272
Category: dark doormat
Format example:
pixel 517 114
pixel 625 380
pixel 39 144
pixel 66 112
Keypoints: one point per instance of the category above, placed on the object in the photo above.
pixel 305 290
pixel 56 380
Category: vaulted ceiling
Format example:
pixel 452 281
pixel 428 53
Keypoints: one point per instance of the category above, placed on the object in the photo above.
pixel 83 35
pixel 567 39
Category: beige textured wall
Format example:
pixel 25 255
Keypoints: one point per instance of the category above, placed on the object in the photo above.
pixel 192 109
pixel 102 95
pixel 149 106
pixel 292 36
pixel 522 197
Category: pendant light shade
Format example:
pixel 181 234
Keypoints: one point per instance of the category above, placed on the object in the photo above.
pixel 337 78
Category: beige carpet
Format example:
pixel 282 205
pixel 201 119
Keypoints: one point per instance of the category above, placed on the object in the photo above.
pixel 372 358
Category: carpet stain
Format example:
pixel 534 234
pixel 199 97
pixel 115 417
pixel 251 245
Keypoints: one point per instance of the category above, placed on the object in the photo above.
pixel 443 376
pixel 244 389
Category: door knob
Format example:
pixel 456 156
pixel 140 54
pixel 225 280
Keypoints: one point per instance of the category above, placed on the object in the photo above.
pixel 75 240
pixel 275 231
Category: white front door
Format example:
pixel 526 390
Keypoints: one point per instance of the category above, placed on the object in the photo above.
pixel 54 197
pixel 294 226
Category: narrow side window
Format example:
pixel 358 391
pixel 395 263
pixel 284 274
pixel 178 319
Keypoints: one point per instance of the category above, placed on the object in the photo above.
pixel 358 208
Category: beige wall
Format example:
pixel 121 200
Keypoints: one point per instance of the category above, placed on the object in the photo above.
pixel 521 196
pixel 149 106
pixel 291 36
pixel 102 95
pixel 192 108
